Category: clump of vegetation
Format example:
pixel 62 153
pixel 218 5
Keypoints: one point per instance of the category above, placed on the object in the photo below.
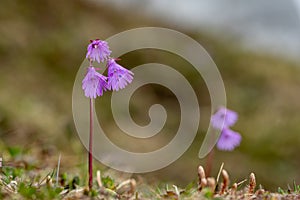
pixel 211 188
pixel 24 179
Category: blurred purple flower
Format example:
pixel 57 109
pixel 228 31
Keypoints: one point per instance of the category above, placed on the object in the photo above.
pixel 224 118
pixel 98 50
pixel 228 140
pixel 93 83
pixel 118 76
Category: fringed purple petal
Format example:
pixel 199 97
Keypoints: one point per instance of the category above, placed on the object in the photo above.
pixel 98 50
pixel 224 118
pixel 118 76
pixel 93 83
pixel 228 140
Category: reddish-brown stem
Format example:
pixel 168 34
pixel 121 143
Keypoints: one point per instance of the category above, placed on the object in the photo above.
pixel 209 163
pixel 91 146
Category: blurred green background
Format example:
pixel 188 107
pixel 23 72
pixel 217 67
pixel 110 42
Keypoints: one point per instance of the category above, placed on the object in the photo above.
pixel 43 43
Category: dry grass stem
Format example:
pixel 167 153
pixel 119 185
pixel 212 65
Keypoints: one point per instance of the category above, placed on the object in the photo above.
pixel 99 181
pixel 128 186
pixel 241 182
pixel 219 173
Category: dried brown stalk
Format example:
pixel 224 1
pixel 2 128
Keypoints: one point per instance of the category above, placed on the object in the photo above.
pixel 211 183
pixel 202 179
pixel 260 192
pixel 252 183
pixel 225 183
pixel 233 189
pixel 128 186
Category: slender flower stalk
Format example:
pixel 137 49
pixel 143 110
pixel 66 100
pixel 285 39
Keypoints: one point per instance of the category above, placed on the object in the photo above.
pixel 209 162
pixel 91 144
pixel 94 84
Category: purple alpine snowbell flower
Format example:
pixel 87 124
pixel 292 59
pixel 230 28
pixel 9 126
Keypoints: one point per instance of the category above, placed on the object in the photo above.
pixel 224 118
pixel 93 83
pixel 118 76
pixel 228 140
pixel 98 50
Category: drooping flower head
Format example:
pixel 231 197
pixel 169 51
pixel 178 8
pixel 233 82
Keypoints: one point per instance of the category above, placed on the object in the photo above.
pixel 93 83
pixel 118 76
pixel 228 140
pixel 98 50
pixel 224 118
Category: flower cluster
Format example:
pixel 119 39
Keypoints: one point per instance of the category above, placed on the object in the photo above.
pixel 95 83
pixel 222 120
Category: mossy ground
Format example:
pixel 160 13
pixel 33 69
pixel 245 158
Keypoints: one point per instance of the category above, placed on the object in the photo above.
pixel 26 176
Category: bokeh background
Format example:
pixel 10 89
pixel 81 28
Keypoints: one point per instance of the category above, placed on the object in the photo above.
pixel 255 45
